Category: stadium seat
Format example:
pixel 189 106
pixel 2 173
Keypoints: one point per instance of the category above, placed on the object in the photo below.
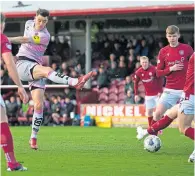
pixel 114 82
pixel 113 96
pixel 121 89
pixel 104 90
pixel 103 96
pixel 113 89
pixel 121 83
pixel 121 96
pixel 121 102
pixel 103 102
pixel 112 102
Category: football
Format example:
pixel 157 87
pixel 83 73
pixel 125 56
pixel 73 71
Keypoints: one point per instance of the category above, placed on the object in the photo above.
pixel 152 143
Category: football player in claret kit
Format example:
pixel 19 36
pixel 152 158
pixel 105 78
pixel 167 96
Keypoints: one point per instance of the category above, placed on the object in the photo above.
pixel 6 136
pixel 153 86
pixel 184 111
pixel 30 67
pixel 172 63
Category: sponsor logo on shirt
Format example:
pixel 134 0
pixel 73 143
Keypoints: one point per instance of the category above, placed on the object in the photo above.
pixel 8 46
pixel 148 80
pixel 181 52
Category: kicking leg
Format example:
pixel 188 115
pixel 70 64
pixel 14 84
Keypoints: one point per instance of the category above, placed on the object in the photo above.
pixel 165 121
pixel 47 72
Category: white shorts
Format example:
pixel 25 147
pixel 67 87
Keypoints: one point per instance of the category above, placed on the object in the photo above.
pixel 186 104
pixel 170 97
pixel 2 101
pixel 151 101
pixel 24 70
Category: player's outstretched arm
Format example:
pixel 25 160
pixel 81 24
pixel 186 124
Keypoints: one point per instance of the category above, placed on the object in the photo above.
pixel 11 67
pixel 136 82
pixel 19 40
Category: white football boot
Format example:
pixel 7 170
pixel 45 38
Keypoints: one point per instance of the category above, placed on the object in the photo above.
pixel 19 167
pixel 192 157
pixel 141 133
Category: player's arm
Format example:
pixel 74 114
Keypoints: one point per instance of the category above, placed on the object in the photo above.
pixel 36 39
pixel 190 52
pixel 19 40
pixel 161 70
pixel 11 67
pixel 136 82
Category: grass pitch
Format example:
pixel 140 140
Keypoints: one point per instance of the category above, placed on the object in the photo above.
pixel 91 151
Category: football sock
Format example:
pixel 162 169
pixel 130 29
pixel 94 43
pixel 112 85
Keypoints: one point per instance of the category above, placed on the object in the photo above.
pixel 62 79
pixel 159 125
pixel 36 123
pixel 7 143
pixel 190 133
pixel 153 121
pixel 150 121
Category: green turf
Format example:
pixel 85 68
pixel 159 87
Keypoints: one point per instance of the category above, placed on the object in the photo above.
pixel 75 151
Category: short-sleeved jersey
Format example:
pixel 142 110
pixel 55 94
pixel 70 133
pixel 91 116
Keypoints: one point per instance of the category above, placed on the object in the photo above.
pixel 168 56
pixel 189 83
pixel 152 84
pixel 38 42
pixel 5 44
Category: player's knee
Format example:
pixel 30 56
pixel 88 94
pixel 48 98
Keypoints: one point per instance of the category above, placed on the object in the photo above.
pixel 48 70
pixel 38 106
pixel 171 114
pixel 45 71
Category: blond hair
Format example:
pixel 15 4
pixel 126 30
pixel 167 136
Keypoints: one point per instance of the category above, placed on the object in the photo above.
pixel 144 58
pixel 172 29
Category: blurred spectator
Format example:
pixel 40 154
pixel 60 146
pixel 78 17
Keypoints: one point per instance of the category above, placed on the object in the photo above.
pixel 106 50
pixel 112 71
pixel 46 111
pixel 12 111
pixel 69 93
pixel 54 66
pixel 117 51
pixel 73 74
pixel 55 110
pixel 136 46
pixel 129 85
pixel 4 77
pixel 130 98
pixel 64 68
pixel 78 69
pixel 30 111
pixel 122 71
pixel 68 108
pixel 102 78
pixel 112 58
pixel 144 48
pixel 140 100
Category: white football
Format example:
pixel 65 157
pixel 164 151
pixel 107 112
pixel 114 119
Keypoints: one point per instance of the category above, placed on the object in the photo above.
pixel 152 143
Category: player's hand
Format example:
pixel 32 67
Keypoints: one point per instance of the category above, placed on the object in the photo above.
pixel 136 98
pixel 177 67
pixel 23 95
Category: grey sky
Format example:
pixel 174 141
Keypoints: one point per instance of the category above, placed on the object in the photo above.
pixel 7 6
